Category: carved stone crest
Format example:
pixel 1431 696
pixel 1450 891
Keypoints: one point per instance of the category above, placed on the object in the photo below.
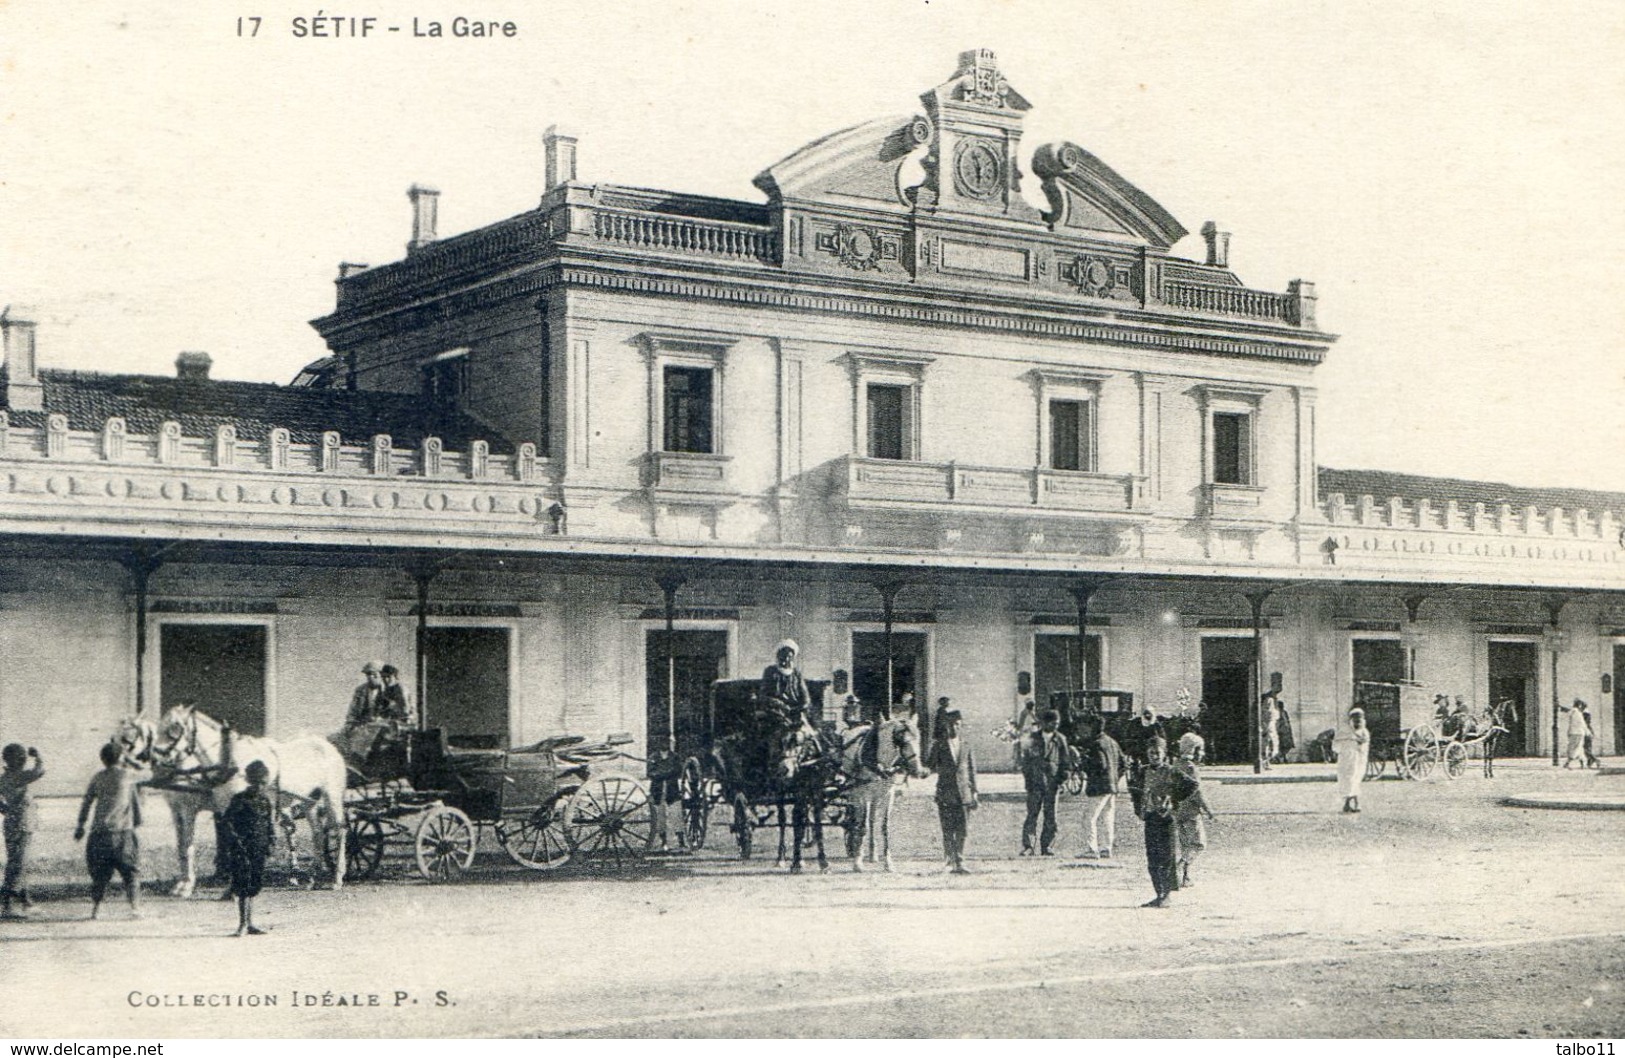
pixel 1097 277
pixel 859 246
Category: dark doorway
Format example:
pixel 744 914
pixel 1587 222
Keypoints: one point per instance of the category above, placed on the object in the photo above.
pixel 1619 699
pixel 1513 671
pixel 908 672
pixel 220 668
pixel 1227 694
pixel 698 659
pixel 467 686
pixel 1379 661
pixel 1056 668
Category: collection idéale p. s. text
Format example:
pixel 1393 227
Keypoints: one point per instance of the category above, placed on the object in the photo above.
pixel 323 26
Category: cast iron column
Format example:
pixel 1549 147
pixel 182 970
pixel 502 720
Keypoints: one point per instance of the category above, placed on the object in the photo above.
pixel 1257 598
pixel 888 609
pixel 1556 640
pixel 1082 591
pixel 669 584
pixel 141 562
pixel 423 573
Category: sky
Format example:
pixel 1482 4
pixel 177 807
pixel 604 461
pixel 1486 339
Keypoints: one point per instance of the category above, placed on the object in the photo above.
pixel 167 185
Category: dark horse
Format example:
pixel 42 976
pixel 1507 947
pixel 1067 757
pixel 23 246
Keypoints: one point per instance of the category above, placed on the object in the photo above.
pixel 808 769
pixel 779 765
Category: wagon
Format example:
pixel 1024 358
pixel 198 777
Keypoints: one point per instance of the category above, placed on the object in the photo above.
pixel 727 764
pixel 425 802
pixel 1409 734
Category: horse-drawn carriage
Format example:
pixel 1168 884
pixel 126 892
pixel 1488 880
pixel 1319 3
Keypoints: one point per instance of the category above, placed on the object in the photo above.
pixel 1416 732
pixel 757 763
pixel 420 799
pixel 412 798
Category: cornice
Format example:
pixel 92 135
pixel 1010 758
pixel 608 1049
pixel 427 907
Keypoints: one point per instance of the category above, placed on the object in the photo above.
pixel 745 285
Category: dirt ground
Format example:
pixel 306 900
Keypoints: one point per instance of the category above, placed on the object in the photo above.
pixel 1437 912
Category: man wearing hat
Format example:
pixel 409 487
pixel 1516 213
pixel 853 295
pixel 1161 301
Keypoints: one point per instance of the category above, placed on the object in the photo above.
pixel 1043 769
pixel 955 766
pixel 784 692
pixel 368 705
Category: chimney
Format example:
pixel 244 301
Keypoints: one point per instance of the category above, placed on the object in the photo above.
pixel 561 157
pixel 193 367
pixel 1218 245
pixel 425 209
pixel 23 389
pixel 350 268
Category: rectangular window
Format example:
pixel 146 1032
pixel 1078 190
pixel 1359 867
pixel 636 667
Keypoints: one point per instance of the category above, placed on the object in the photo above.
pixel 888 427
pixel 445 383
pixel 1071 433
pixel 688 409
pixel 1232 448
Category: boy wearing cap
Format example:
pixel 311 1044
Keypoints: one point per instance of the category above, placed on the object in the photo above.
pixel 250 833
pixel 17 802
pixel 113 846
pixel 955 766
pixel 1191 809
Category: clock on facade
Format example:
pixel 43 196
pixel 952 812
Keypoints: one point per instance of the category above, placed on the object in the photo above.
pixel 977 169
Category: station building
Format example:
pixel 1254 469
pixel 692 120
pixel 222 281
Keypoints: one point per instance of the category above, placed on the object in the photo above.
pixel 949 442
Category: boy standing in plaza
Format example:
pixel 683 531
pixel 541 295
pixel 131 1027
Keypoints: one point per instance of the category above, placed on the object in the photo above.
pixel 113 846
pixel 1191 808
pixel 1156 808
pixel 250 834
pixel 17 802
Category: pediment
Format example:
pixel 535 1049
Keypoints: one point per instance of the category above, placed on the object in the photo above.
pixel 858 165
pixel 1087 196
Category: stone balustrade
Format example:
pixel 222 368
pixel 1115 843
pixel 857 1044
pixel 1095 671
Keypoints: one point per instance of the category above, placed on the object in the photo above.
pixel 1230 301
pixel 1395 512
pixel 902 481
pixel 660 233
pixel 278 453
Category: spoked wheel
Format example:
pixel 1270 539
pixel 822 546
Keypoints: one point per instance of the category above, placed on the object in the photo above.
pixel 611 816
pixel 364 841
pixel 1455 760
pixel 696 801
pixel 741 825
pixel 1074 783
pixel 1421 752
pixel 1374 767
pixel 537 840
pixel 445 844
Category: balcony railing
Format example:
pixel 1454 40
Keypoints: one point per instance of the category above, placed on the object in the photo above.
pixel 1230 301
pixel 667 234
pixel 886 481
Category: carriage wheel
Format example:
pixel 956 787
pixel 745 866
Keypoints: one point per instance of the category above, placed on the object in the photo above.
pixel 612 816
pixel 445 844
pixel 538 840
pixel 1374 767
pixel 1455 760
pixel 364 840
pixel 696 804
pixel 1421 752
pixel 1074 783
pixel 741 825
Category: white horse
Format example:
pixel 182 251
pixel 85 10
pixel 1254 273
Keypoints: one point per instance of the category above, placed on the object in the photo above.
pixel 135 739
pixel 307 774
